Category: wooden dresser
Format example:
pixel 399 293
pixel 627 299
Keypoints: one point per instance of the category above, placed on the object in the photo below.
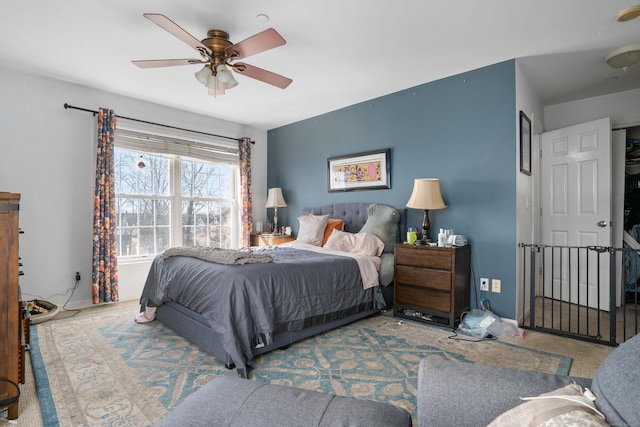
pixel 431 283
pixel 270 239
pixel 11 341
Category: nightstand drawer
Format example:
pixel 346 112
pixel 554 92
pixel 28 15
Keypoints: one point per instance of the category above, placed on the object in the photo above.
pixel 421 297
pixel 428 257
pixel 432 279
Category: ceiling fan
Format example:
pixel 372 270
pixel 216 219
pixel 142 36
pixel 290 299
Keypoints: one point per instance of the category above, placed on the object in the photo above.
pixel 218 55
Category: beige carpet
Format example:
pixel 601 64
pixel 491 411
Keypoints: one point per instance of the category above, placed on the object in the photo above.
pixel 129 374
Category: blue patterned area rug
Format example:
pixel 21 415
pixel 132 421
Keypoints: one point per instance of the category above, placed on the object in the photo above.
pixel 103 369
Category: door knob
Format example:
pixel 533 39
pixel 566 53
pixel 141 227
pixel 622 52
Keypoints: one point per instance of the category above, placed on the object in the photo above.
pixel 602 223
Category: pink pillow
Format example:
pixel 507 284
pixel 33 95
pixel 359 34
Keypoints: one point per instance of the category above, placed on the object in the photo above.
pixel 333 224
pixel 358 243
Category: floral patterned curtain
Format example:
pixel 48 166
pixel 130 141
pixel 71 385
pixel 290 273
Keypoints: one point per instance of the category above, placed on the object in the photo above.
pixel 246 215
pixel 104 285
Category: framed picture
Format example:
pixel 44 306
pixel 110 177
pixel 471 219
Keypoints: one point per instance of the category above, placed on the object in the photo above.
pixel 525 144
pixel 361 171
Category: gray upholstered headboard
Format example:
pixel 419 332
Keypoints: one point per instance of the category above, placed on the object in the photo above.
pixel 354 216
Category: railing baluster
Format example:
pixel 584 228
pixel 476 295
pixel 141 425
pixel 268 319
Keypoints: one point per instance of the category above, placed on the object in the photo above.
pixel 569 271
pixel 561 286
pixel 598 294
pixel 612 295
pixel 553 287
pixel 578 309
pixel 586 288
pixel 532 287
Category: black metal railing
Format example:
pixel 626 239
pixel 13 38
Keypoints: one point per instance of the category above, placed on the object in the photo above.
pixel 564 291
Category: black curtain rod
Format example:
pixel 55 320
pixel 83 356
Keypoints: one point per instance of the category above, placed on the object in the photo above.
pixel 67 106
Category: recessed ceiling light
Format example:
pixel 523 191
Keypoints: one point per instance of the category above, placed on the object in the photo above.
pixel 629 14
pixel 262 18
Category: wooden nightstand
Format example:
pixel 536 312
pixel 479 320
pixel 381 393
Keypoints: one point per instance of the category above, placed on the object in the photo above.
pixel 431 283
pixel 270 239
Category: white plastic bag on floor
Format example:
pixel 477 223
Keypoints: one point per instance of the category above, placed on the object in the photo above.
pixel 503 329
pixel 482 323
pixel 476 322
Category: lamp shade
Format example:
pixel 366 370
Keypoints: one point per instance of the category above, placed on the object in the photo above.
pixel 275 199
pixel 426 194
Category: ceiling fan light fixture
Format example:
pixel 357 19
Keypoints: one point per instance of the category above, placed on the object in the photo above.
pixel 213 83
pixel 231 83
pixel 223 73
pixel 215 86
pixel 204 75
pixel 215 89
pixel 624 57
pixel 216 92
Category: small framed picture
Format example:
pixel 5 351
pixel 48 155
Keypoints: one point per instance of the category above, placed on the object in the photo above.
pixel 361 171
pixel 525 144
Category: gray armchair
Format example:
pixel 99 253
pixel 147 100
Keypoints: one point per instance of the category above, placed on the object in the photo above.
pixel 464 394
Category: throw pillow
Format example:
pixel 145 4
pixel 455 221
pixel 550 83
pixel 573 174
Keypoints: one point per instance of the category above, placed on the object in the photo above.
pixel 565 406
pixel 311 228
pixel 333 224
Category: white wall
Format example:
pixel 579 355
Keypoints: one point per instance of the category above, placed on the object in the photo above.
pixel 526 186
pixel 622 107
pixel 47 154
pixel 528 102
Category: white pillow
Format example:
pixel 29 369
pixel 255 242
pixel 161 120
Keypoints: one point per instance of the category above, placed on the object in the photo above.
pixel 359 243
pixel 312 228
pixel 566 406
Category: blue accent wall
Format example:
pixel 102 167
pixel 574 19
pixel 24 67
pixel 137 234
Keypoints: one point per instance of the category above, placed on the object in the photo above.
pixel 460 129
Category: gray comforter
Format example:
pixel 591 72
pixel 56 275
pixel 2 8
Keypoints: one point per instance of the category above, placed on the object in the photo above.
pixel 247 304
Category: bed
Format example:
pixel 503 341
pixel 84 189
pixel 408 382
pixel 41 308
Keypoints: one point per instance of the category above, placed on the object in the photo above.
pixel 237 312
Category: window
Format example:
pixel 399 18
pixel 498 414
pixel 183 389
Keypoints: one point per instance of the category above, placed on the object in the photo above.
pixel 143 203
pixel 207 203
pixel 174 200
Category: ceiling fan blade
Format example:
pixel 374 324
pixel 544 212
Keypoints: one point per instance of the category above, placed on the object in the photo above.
pixel 267 39
pixel 175 29
pixel 155 63
pixel 263 75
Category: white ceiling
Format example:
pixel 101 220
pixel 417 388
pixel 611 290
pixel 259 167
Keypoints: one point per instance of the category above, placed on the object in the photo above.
pixel 338 52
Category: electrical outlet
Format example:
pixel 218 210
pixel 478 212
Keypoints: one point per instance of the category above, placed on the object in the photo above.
pixel 496 285
pixel 484 284
pixel 77 276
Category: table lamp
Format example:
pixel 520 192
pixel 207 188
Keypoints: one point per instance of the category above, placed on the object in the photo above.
pixel 275 200
pixel 426 195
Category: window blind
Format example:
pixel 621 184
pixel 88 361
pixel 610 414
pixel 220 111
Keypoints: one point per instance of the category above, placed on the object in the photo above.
pixel 201 148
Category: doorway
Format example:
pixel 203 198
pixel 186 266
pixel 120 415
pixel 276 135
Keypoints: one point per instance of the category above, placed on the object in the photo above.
pixel 631 231
pixel 562 308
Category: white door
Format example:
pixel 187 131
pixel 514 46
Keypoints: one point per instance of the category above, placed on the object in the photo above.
pixel 576 211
